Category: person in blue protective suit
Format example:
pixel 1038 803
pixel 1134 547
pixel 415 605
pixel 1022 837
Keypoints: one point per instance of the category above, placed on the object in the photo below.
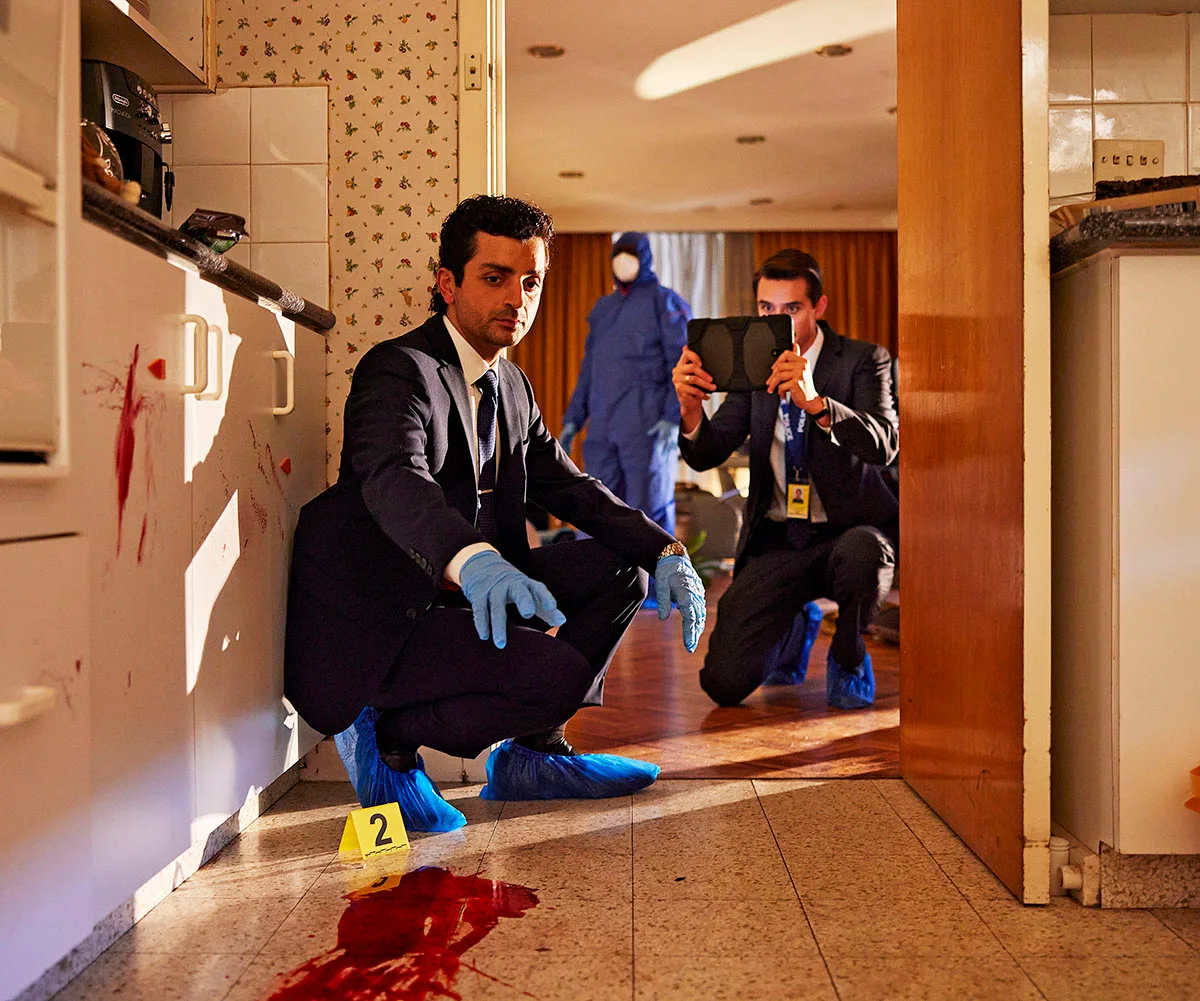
pixel 820 520
pixel 418 614
pixel 623 394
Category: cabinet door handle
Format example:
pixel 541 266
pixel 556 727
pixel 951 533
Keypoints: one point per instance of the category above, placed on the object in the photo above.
pixel 219 380
pixel 290 364
pixel 199 353
pixel 33 701
pixel 26 187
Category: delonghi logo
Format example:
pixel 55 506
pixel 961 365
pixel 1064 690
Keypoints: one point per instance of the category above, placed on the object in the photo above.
pixel 121 100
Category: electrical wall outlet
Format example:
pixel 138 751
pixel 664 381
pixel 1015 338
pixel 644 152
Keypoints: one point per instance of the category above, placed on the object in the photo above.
pixel 1127 159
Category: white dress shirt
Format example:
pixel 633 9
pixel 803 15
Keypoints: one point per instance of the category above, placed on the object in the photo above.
pixel 778 509
pixel 473 367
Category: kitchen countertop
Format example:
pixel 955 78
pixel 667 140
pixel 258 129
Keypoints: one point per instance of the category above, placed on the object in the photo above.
pixel 1141 228
pixel 106 209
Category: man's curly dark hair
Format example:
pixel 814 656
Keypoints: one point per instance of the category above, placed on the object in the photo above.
pixel 491 214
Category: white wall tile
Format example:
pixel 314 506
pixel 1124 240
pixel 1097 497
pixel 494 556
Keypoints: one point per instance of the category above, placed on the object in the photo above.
pixel 1167 122
pixel 290 203
pixel 1070 57
pixel 302 268
pixel 1194 138
pixel 212 128
pixel 289 125
pixel 1194 56
pixel 1139 57
pixel 1070 150
pixel 241 254
pixel 224 188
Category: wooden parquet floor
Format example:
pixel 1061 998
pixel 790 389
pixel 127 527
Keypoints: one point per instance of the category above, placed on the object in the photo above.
pixel 654 709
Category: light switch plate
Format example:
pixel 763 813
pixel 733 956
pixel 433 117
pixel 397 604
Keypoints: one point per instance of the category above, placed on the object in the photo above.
pixel 472 71
pixel 1127 159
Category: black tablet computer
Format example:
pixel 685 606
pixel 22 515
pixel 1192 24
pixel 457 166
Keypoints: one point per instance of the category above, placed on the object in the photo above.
pixel 738 351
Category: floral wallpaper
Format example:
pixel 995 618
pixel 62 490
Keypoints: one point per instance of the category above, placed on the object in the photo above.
pixel 391 69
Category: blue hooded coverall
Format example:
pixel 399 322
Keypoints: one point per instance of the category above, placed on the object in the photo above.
pixel 635 336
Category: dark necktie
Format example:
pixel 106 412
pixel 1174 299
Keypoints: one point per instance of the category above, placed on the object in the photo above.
pixel 795 466
pixel 485 427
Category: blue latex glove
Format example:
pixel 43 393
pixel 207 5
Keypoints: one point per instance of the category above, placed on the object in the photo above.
pixel 666 435
pixel 567 437
pixel 676 580
pixel 491 583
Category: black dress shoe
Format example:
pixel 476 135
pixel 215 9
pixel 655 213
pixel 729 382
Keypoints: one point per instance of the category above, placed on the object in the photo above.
pixel 399 761
pixel 553 742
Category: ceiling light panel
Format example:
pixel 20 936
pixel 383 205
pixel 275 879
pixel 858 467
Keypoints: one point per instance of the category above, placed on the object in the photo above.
pixel 790 30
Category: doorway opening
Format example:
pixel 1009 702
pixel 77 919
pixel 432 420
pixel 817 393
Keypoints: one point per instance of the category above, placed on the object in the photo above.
pixel 801 153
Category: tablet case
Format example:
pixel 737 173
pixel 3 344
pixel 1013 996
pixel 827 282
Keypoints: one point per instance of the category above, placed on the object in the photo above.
pixel 738 351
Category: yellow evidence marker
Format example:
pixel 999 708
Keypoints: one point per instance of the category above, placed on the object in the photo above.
pixel 374 831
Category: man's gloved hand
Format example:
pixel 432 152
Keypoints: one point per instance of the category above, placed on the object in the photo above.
pixel 567 437
pixel 666 436
pixel 676 580
pixel 491 583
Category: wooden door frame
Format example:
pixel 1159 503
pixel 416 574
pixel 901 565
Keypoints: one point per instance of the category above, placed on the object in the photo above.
pixel 481 113
pixel 968 100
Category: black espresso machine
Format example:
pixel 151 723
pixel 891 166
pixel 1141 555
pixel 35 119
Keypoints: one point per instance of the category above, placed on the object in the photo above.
pixel 126 107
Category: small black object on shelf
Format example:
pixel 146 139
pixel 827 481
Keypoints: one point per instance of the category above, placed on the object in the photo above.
pixel 218 231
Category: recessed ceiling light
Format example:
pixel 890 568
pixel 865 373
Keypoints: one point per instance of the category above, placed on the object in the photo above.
pixel 545 51
pixel 751 140
pixel 570 173
pixel 762 201
pixel 792 29
pixel 833 51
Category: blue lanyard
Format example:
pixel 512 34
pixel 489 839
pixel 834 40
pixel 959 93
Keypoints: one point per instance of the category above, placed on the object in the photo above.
pixel 795 428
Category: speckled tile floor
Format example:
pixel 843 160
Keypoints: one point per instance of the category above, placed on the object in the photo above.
pixel 701 890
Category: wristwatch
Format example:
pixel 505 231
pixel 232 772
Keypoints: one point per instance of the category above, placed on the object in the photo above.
pixel 674 549
pixel 823 412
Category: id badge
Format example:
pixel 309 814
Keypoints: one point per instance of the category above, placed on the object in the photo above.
pixel 797 500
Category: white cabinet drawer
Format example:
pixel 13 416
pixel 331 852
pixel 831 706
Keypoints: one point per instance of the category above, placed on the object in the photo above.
pixel 45 761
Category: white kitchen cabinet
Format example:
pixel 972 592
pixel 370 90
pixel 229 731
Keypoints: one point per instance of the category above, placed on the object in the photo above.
pixel 1126 694
pixel 190 517
pixel 133 499
pixel 251 469
pixel 171 49
pixel 46 677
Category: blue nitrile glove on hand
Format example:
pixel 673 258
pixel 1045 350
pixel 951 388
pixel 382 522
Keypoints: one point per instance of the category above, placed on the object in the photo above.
pixel 676 580
pixel 490 583
pixel 666 436
pixel 567 437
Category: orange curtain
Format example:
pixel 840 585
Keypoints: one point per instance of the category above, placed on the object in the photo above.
pixel 860 278
pixel 552 352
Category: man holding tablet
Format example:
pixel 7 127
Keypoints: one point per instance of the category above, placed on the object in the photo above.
pixel 820 521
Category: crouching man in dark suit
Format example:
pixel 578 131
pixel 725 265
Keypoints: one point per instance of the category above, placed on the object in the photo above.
pixel 409 574
pixel 819 521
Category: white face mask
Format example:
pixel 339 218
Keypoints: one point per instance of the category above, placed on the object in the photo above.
pixel 626 267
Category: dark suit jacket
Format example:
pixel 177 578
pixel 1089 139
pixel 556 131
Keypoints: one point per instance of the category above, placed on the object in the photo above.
pixel 856 378
pixel 370 552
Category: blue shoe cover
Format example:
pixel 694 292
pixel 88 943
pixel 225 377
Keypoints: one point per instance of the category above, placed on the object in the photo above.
pixel 515 772
pixel 793 674
pixel 650 601
pixel 846 690
pixel 421 805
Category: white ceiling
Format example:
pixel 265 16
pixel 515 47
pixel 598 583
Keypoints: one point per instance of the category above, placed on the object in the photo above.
pixel 829 160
